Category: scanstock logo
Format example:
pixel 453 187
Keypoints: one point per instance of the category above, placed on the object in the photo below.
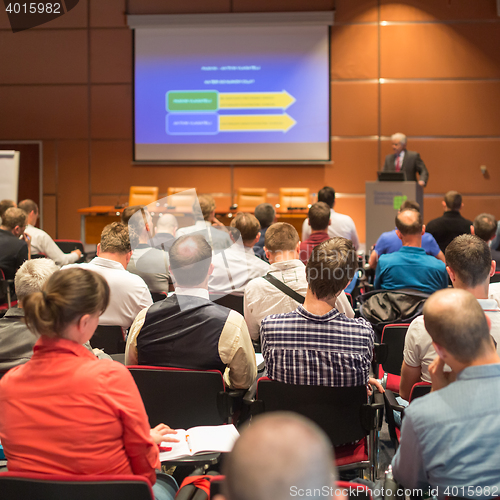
pixel 26 15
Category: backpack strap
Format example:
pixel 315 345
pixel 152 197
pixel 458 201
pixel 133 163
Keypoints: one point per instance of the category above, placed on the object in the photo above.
pixel 284 288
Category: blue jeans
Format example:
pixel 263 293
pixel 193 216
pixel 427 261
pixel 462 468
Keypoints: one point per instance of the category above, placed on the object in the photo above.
pixel 165 487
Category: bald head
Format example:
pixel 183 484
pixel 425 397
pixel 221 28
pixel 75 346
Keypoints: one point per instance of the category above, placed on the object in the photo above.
pixel 409 222
pixel 190 259
pixel 167 223
pixel 276 453
pixel 456 321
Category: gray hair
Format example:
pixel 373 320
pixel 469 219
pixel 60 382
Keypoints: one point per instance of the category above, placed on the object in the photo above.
pixel 32 275
pixel 398 136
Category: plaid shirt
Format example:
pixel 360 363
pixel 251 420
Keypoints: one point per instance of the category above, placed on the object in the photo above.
pixel 305 349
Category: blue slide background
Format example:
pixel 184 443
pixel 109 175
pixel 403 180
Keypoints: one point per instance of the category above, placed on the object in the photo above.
pixel 300 74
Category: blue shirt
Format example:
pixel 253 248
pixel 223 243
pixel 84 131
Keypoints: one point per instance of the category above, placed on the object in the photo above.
pixel 410 267
pixel 450 437
pixel 305 349
pixel 389 242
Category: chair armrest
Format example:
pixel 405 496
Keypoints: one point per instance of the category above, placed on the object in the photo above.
pixel 391 398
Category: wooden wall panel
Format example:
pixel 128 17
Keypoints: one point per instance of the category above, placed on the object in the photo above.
pixel 355 208
pixel 73 181
pixel 465 51
pixel 360 11
pixel 49 167
pixel 354 52
pixel 47 56
pixel 178 6
pixel 281 5
pixel 75 18
pixel 354 108
pixel 110 13
pixel 354 163
pixel 442 10
pixel 111 111
pixel 445 108
pixel 43 112
pixel 49 214
pixel 111 56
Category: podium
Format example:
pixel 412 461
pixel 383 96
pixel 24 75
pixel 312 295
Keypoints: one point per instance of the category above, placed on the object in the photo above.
pixel 383 200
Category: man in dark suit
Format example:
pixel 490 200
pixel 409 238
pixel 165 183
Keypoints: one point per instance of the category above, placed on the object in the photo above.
pixel 405 161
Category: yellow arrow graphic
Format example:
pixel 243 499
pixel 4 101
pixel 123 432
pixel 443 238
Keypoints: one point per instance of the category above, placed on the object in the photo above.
pixel 250 100
pixel 255 123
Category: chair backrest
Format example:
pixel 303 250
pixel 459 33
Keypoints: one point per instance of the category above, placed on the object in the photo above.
pixel 234 302
pixel 68 246
pixel 111 339
pixel 181 398
pixel 142 195
pixel 393 336
pixel 420 389
pixel 180 199
pixel 251 197
pixel 337 410
pixel 21 486
pixel 5 292
pixel 294 197
pixel 495 278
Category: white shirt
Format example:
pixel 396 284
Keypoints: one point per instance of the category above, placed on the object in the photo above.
pixel 128 292
pixel 263 298
pixel 41 242
pixel 217 238
pixel 419 351
pixel 494 292
pixel 234 268
pixel 341 225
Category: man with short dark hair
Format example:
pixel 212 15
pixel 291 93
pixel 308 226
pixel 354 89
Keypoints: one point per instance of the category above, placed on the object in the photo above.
pixel 266 215
pixel 129 293
pixel 319 220
pixel 316 344
pixel 263 298
pixel 469 266
pixel 389 241
pixel 267 464
pixel 410 267
pixel 187 330
pixel 41 242
pixel 451 224
pixel 340 224
pixel 14 248
pixel 447 438
pixel 485 227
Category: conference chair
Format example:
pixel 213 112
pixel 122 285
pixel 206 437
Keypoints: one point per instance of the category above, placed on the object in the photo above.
pixel 343 413
pixel 68 246
pixel 142 195
pixel 5 292
pixel 294 198
pixel 388 356
pixel 23 485
pixel 109 338
pixel 251 197
pixel 181 198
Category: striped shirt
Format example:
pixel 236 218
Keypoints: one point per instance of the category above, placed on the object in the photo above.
pixel 306 349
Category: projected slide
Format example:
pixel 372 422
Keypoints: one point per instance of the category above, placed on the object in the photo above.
pixel 245 94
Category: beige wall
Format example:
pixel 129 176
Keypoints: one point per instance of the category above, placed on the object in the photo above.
pixel 69 83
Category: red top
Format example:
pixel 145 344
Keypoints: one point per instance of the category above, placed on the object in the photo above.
pixel 67 412
pixel 307 246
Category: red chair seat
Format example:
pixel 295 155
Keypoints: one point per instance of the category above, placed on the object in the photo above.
pixel 351 453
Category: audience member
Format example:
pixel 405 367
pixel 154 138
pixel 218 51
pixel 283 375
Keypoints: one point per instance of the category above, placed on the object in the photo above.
pixel 14 244
pixel 316 344
pixel 238 264
pixel 16 340
pixel 485 226
pixel 266 215
pixel 410 267
pixel 207 224
pixel 263 298
pixel 447 436
pixel 4 205
pixel 166 228
pixel 187 330
pixel 148 262
pixel 319 220
pixel 63 412
pixel 41 242
pixel 129 211
pixel 389 242
pixel 129 293
pixel 281 455
pixel 340 225
pixel 469 267
pixel 451 224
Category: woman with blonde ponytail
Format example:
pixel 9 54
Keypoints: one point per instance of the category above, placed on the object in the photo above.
pixel 65 411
